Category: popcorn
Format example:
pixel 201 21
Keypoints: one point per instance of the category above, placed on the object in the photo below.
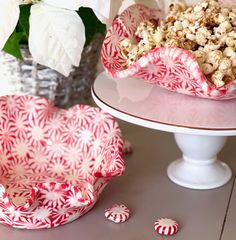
pixel 217 78
pixel 206 29
pixel 232 18
pixel 229 52
pixel 190 36
pixel 178 26
pixel 219 18
pixel 127 47
pixel 185 24
pixel 225 26
pixel 230 42
pixel 207 68
pixel 200 56
pixel 132 56
pixel 126 44
pixel 158 36
pixel 177 7
pixel 201 38
pixel 225 64
pixel 146 27
pixel 214 58
pixel 145 46
pixel 213 45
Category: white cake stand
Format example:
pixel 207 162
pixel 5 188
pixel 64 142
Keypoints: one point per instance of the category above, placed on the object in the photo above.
pixel 200 126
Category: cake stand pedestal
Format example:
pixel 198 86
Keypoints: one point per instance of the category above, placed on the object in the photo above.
pixel 200 126
pixel 199 168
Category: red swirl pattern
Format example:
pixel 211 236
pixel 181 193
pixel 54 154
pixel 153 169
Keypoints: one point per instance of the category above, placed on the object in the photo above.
pixel 54 163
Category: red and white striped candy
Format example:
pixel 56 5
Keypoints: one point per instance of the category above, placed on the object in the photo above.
pixel 166 226
pixel 117 213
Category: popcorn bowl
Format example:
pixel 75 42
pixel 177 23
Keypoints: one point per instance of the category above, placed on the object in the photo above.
pixel 54 163
pixel 174 69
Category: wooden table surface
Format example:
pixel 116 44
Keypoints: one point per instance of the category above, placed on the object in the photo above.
pixel 147 191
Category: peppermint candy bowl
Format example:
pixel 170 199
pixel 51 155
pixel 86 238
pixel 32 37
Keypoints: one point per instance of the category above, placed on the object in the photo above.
pixel 54 163
pixel 174 69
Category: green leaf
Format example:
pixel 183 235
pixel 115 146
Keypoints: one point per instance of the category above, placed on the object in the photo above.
pixel 24 19
pixel 23 24
pixel 91 23
pixel 12 46
pixel 21 33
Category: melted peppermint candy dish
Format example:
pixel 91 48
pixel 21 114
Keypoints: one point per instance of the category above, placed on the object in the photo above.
pixel 174 69
pixel 54 163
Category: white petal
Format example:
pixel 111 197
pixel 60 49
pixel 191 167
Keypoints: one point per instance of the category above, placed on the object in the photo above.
pixel 67 4
pixel 102 18
pixel 56 37
pixel 101 8
pixel 9 15
pixel 24 2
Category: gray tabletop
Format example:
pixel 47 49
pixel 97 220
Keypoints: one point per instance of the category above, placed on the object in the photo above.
pixel 149 194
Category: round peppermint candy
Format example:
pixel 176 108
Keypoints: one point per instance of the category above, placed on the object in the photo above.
pixel 166 226
pixel 117 213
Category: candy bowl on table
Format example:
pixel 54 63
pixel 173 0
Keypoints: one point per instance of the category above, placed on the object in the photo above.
pixel 54 163
pixel 174 69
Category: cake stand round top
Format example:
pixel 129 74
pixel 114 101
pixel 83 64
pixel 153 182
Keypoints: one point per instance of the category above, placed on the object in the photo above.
pixel 144 104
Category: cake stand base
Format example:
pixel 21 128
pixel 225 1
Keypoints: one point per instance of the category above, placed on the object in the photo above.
pixel 199 168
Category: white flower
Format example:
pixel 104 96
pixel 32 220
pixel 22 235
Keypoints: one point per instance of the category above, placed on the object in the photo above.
pixel 57 34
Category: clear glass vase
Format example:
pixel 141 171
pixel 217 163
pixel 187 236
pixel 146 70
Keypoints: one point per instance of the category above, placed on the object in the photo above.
pixel 26 77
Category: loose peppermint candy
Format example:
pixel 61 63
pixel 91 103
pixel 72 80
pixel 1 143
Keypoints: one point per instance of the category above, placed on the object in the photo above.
pixel 117 213
pixel 166 226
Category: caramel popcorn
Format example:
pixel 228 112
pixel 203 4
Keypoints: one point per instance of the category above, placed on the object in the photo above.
pixel 207 30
